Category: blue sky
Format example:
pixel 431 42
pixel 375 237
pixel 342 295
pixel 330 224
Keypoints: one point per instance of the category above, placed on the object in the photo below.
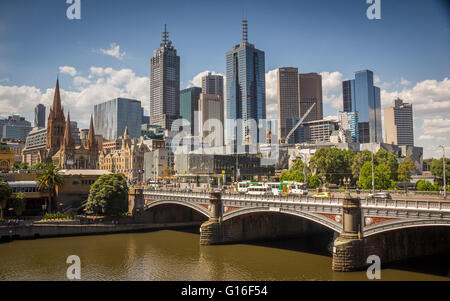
pixel 408 49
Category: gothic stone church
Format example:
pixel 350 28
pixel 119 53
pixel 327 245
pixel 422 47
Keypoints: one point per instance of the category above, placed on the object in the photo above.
pixel 61 149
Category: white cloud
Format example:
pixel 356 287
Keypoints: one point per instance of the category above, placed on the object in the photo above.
pixel 426 137
pixel 114 51
pixel 68 70
pixel 332 88
pixel 272 94
pixel 404 82
pixel 80 81
pixel 110 83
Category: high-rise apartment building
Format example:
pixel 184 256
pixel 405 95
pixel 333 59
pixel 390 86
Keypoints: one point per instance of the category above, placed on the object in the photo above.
pixel 246 92
pixel 211 114
pixel 39 116
pixel 349 123
pixel 398 123
pixel 288 100
pixel 113 116
pixel 212 84
pixel 15 128
pixel 310 92
pixel 164 84
pixel 361 96
pixel 189 105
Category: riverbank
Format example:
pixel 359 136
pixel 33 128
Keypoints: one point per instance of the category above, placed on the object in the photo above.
pixel 38 230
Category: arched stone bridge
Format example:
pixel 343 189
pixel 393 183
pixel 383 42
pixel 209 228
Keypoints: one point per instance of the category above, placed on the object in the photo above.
pixel 365 226
pixel 378 215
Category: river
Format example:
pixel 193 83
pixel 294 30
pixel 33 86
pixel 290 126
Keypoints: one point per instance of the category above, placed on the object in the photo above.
pixel 175 255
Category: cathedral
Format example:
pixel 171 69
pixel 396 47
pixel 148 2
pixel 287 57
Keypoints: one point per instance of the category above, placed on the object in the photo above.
pixel 60 148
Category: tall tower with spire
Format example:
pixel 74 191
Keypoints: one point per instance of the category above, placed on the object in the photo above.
pixel 55 125
pixel 246 92
pixel 164 84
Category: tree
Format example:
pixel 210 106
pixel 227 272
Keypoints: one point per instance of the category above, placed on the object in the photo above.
pixel 108 195
pixel 333 163
pixel 385 157
pixel 313 181
pixel 20 165
pixel 38 166
pixel 437 170
pixel 405 170
pixel 5 193
pixel 295 173
pixel 168 172
pixel 19 203
pixel 48 178
pixel 423 185
pixel 382 175
pixel 358 162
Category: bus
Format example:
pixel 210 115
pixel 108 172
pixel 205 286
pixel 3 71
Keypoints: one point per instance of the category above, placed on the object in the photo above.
pixel 292 188
pixel 259 190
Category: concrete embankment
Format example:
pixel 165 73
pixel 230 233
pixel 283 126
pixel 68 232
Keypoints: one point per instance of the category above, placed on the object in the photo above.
pixel 54 230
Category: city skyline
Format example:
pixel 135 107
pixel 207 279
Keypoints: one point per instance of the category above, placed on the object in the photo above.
pixel 115 67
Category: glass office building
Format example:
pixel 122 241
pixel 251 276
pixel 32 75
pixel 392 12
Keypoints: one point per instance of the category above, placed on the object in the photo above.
pixel 361 96
pixel 112 117
pixel 189 104
pixel 246 96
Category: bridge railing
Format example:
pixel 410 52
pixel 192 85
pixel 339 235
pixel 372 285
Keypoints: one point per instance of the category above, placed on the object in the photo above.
pixel 406 204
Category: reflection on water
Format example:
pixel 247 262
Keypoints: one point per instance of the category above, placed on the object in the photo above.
pixel 172 255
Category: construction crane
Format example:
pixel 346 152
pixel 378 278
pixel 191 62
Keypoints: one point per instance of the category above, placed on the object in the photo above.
pixel 299 123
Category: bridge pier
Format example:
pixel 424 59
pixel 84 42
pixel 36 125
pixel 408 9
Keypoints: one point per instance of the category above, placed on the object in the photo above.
pixel 349 247
pixel 136 200
pixel 211 231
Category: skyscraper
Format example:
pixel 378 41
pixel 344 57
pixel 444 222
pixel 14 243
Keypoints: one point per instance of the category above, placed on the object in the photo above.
pixel 246 92
pixel 288 100
pixel 113 116
pixel 398 123
pixel 164 84
pixel 360 95
pixel 310 91
pixel 210 108
pixel 212 84
pixel 189 105
pixel 39 116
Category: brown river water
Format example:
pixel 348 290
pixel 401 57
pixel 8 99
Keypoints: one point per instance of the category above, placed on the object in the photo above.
pixel 176 255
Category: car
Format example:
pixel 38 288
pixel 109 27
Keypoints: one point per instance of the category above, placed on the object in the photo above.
pixel 380 195
pixel 322 195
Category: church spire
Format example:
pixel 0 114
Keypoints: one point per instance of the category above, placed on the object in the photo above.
pixel 91 134
pixel 68 140
pixel 56 108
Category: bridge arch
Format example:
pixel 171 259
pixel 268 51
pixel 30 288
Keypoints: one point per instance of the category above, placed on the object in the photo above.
pixel 195 207
pixel 403 224
pixel 330 224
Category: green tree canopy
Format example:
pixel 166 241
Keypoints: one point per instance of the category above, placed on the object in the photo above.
pixel 405 170
pixel 48 177
pixel 335 164
pixel 313 181
pixel 437 170
pixel 108 195
pixel 5 193
pixel 358 162
pixel 20 165
pixel 382 175
pixel 295 173
pixel 385 157
pixel 423 185
pixel 19 203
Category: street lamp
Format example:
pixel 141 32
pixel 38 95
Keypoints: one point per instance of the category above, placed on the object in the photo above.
pixel 346 183
pixel 443 170
pixel 373 175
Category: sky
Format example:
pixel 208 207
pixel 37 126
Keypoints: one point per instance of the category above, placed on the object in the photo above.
pixel 106 54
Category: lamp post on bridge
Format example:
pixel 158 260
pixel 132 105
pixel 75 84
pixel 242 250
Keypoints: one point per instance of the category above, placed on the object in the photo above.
pixel 443 170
